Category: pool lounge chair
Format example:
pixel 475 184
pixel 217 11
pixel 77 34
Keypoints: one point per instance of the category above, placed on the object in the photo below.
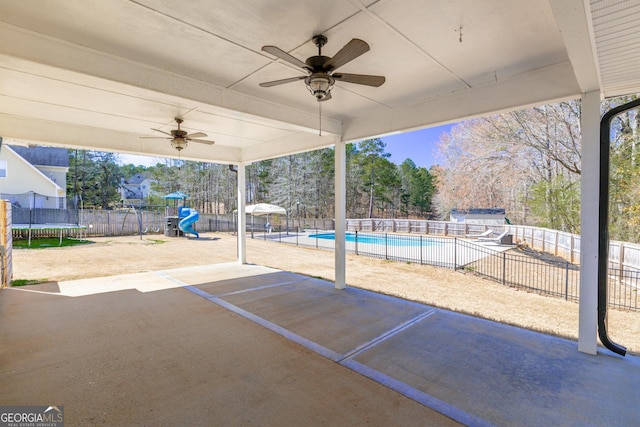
pixel 486 233
pixel 503 239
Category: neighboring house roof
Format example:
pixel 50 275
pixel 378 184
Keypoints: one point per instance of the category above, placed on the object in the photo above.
pixel 491 211
pixel 132 188
pixel 43 156
pixel 136 179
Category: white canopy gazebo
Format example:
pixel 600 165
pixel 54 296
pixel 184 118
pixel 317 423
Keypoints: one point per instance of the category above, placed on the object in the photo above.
pixel 262 209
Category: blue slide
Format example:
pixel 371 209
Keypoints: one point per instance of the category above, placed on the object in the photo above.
pixel 190 217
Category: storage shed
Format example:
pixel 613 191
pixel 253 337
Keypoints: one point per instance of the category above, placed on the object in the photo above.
pixel 494 216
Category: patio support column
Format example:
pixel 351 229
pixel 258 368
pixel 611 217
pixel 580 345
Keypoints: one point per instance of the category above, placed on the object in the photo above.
pixel 589 189
pixel 340 214
pixel 242 218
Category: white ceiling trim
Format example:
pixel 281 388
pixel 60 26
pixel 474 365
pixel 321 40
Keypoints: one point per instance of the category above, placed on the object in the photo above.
pixel 616 35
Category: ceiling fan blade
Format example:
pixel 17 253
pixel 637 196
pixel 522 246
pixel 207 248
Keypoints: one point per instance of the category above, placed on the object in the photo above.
pixel 282 81
pixel 276 51
pixel 360 79
pixel 201 141
pixel 197 135
pixel 349 52
pixel 161 131
pixel 154 137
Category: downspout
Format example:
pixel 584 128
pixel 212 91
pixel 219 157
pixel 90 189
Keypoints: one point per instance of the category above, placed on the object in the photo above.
pixel 603 224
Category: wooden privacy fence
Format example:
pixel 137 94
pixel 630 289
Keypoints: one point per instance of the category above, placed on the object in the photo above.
pixel 98 222
pixel 622 256
pixel 126 222
pixel 565 245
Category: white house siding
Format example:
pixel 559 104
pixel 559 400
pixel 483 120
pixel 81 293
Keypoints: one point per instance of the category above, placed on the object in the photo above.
pixel 27 185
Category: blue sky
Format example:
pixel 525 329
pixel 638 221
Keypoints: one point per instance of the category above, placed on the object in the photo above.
pixel 419 146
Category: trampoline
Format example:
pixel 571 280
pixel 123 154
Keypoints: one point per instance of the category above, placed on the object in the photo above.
pixel 60 227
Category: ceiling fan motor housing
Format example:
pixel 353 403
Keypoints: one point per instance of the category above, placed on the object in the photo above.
pixel 180 138
pixel 320 68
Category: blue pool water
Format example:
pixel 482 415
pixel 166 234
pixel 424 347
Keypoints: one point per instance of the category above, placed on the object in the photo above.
pixel 380 239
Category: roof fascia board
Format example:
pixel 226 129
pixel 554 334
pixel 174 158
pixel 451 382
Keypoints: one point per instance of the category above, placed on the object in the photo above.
pixel 538 87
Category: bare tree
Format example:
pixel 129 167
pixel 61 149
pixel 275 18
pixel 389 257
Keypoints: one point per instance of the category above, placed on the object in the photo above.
pixel 498 161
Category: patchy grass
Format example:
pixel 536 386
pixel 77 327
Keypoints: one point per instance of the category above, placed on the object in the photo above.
pixel 27 282
pixel 136 241
pixel 48 242
pixel 155 241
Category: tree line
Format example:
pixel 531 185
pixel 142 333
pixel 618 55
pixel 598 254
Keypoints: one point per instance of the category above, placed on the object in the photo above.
pixel 301 183
pixel 527 162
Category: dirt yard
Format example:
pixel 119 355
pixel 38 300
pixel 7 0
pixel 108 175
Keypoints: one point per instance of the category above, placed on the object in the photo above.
pixel 439 287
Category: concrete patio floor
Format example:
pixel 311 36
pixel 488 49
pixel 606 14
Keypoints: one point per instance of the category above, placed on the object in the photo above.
pixel 232 344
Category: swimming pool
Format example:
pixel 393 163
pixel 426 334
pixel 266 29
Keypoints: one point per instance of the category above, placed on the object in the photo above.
pixel 380 239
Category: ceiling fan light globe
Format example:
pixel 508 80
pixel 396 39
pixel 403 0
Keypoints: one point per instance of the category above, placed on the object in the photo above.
pixel 319 85
pixel 178 143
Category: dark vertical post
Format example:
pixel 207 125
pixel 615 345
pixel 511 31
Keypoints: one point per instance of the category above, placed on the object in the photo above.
pixel 356 242
pixel 566 281
pixel 504 268
pixel 455 253
pixel 386 252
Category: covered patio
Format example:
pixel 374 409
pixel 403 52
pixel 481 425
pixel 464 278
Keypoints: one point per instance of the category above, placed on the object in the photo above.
pixel 100 76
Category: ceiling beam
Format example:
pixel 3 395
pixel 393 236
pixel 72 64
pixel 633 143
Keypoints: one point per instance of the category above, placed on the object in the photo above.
pixel 533 88
pixel 57 134
pixel 84 66
pixel 574 20
pixel 293 144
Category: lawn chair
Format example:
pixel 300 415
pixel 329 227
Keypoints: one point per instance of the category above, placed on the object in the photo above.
pixel 486 233
pixel 503 239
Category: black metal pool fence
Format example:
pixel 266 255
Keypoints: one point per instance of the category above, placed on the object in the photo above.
pixel 523 269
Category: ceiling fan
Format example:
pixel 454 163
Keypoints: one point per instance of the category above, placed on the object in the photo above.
pixel 320 69
pixel 180 138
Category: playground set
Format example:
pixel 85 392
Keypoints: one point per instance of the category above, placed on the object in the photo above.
pixel 183 223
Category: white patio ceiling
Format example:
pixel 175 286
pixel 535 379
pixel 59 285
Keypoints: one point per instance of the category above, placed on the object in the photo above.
pixel 99 74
